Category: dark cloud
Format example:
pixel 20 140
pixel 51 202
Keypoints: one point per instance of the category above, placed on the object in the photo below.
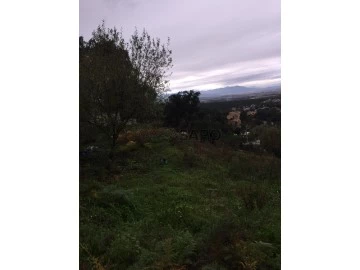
pixel 214 43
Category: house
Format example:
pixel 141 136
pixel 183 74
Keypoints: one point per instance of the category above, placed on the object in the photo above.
pixel 256 142
pixel 251 113
pixel 233 118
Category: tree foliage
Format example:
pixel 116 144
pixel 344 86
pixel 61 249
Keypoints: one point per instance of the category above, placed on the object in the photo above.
pixel 181 108
pixel 120 81
pixel 151 59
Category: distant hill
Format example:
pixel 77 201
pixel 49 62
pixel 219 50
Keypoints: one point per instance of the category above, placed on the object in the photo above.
pixel 231 92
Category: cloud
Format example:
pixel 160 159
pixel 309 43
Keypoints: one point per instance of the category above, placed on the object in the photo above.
pixel 241 73
pixel 214 43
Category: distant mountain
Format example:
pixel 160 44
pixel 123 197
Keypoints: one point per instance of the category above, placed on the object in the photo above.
pixel 234 92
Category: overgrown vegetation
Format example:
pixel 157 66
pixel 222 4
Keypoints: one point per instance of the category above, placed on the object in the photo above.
pixel 165 201
pixel 207 207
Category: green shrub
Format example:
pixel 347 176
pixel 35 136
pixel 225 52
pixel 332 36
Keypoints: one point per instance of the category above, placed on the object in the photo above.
pixel 190 159
pixel 124 250
pixel 254 196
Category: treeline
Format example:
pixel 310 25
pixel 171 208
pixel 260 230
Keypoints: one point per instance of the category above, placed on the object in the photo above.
pixel 124 82
pixel 182 112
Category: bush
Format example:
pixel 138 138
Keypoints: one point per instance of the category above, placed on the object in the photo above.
pixel 254 196
pixel 143 136
pixel 175 138
pixel 190 159
pixel 270 138
pixel 124 250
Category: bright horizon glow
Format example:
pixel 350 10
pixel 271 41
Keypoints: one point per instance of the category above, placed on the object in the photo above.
pixel 260 73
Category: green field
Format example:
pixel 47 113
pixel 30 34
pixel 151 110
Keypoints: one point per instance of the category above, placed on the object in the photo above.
pixel 167 203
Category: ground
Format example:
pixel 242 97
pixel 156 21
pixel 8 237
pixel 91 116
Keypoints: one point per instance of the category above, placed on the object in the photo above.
pixel 168 203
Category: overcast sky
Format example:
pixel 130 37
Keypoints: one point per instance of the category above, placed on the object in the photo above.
pixel 215 43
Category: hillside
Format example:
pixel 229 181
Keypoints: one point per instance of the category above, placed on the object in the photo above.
pixel 233 92
pixel 170 203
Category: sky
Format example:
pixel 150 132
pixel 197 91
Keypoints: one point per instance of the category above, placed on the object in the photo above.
pixel 215 43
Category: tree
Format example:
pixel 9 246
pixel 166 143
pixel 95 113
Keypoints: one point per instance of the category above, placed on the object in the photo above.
pixel 181 108
pixel 120 81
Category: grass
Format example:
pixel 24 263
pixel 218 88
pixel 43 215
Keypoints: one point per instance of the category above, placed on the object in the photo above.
pixel 208 207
